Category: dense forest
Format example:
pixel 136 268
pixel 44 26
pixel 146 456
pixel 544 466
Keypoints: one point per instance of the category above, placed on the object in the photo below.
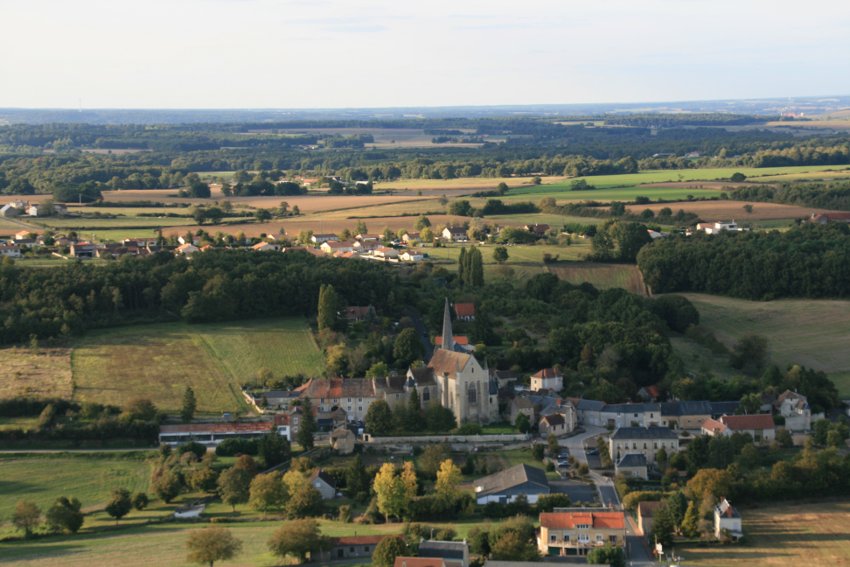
pixel 806 261
pixel 834 196
pixel 37 158
pixel 218 286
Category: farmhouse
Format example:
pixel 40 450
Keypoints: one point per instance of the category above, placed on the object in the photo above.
pixel 83 250
pixel 10 249
pixel 826 218
pixel 644 441
pixel 506 486
pixel 411 256
pixel 385 253
pixel 186 249
pixel 577 532
pixel 727 520
pixel 717 227
pixel 455 234
pixel 547 379
pixel 211 434
pixel 356 313
pixel 795 409
pixel 265 247
pixel 333 246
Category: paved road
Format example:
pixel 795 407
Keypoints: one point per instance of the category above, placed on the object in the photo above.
pixel 576 443
pixel 577 491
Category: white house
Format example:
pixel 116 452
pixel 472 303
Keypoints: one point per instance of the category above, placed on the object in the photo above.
pixel 727 519
pixel 717 227
pixel 324 484
pixel 547 379
pixel 411 256
pixel 265 247
pixel 333 246
pixel 795 409
pixel 455 234
pixel 10 250
pixel 646 441
pixel 385 253
pixel 319 238
pixel 186 249
pixel 506 486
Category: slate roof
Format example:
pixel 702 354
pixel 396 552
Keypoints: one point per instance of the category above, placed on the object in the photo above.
pixel 553 420
pixel 220 427
pixel 686 408
pixel 724 408
pixel 444 549
pixel 644 433
pixel 516 475
pixel 423 376
pixel 589 405
pixel 632 460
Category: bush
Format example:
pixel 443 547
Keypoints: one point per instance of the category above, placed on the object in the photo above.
pixel 233 447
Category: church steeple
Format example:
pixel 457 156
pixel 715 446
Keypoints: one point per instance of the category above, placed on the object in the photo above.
pixel 448 337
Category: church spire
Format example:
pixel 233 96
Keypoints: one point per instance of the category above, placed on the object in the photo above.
pixel 448 337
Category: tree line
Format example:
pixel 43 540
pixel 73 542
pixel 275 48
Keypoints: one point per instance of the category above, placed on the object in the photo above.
pixel 806 261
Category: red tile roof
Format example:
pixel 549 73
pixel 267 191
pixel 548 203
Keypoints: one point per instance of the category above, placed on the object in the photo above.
pixel 458 339
pixel 747 422
pixel 336 388
pixel 465 309
pixel 569 520
pixel 360 540
pixel 546 373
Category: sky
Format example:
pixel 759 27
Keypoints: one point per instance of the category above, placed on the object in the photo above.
pixel 392 53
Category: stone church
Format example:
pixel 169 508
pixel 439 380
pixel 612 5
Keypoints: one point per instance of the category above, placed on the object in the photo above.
pixel 456 380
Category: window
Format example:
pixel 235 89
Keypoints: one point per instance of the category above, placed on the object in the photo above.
pixel 612 539
pixel 472 395
pixel 599 538
pixel 553 538
pixel 352 550
pixel 426 395
pixel 366 548
pixel 567 537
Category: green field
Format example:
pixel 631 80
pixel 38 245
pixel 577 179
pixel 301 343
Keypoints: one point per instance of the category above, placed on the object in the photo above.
pixel 811 534
pixel 674 175
pixel 44 478
pixel 165 545
pixel 158 361
pixel 519 254
pixel 810 332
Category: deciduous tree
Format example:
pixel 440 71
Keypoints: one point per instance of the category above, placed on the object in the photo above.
pixel 208 545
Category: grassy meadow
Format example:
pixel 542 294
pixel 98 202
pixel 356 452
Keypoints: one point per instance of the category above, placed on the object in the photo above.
pixel 88 477
pixel 812 534
pixel 158 361
pixel 810 332
pixel 602 276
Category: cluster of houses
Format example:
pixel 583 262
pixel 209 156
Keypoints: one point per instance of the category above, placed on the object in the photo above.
pixel 20 208
pixel 367 247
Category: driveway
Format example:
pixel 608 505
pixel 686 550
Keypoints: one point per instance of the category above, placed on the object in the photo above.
pixel 577 491
pixel 576 443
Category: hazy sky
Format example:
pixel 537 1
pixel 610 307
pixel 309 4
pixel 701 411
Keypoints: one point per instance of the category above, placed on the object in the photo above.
pixel 366 53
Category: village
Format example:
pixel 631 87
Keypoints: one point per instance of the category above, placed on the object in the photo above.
pixel 588 450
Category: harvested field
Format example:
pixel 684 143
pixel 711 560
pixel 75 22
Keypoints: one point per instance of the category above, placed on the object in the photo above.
pixel 602 276
pixel 307 203
pixel 158 361
pixel 42 374
pixel 725 210
pixel 811 534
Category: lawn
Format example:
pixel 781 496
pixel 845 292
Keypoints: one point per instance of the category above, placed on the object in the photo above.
pixel 44 478
pixel 789 534
pixel 42 373
pixel 475 183
pixel 810 332
pixel 520 254
pixel 602 276
pixel 159 361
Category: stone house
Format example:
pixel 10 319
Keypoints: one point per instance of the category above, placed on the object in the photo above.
pixel 644 441
pixel 575 533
